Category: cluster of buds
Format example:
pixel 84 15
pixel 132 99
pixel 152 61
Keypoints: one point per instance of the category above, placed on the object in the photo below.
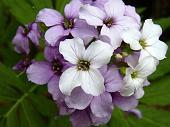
pixel 98 56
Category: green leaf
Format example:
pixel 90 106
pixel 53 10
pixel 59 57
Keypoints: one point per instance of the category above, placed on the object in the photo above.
pixel 118 119
pixel 164 22
pixel 163 68
pixel 158 92
pixel 61 121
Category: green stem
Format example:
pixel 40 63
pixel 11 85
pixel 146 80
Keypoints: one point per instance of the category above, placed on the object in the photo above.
pixel 20 100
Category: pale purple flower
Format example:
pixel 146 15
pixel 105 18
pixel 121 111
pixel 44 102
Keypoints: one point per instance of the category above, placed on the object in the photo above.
pixel 24 35
pixel 112 19
pixel 61 26
pixel 96 3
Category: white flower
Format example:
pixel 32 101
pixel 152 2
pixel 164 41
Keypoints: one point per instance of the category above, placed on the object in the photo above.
pixel 86 62
pixel 136 76
pixel 147 40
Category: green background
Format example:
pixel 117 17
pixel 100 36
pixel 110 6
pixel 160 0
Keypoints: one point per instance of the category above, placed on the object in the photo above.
pixel 23 104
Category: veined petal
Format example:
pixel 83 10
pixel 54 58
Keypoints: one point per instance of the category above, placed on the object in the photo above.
pixel 93 15
pixel 132 37
pixel 98 54
pixel 69 80
pixel 148 27
pixel 40 72
pixel 92 82
pixel 49 17
pixel 158 50
pixel 146 66
pixel 114 8
pixel 102 106
pixel 72 49
pixel 54 34
pixel 78 99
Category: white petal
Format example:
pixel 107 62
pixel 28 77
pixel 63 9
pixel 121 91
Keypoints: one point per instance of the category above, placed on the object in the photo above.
pixel 114 8
pixel 114 36
pixel 93 15
pixel 158 50
pixel 139 93
pixel 132 37
pixel 69 80
pixel 98 54
pixel 92 82
pixel 146 66
pixel 131 85
pixel 72 49
pixel 143 54
pixel 151 30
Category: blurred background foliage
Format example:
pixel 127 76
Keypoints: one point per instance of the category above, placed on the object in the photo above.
pixel 23 104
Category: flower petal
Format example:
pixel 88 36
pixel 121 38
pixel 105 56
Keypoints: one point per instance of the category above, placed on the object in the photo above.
pixel 93 15
pixel 78 99
pixel 114 36
pixel 92 82
pixel 146 67
pixel 49 17
pixel 83 30
pixel 53 89
pixel 80 119
pixel 114 8
pixel 132 37
pixel 40 72
pixel 72 49
pixel 53 35
pixel 124 103
pixel 158 50
pixel 69 80
pixel 71 10
pixel 102 106
pixel 148 27
pixel 98 53
pixel 139 93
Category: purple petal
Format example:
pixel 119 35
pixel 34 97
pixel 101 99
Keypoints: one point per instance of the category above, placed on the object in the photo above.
pixel 52 53
pixel 131 11
pixel 112 77
pixel 136 112
pixel 40 72
pixel 102 106
pixel 49 17
pixel 124 103
pixel 132 60
pixel 64 110
pixel 78 99
pixel 80 119
pixel 54 34
pixel 21 42
pixel 71 10
pixel 97 121
pixel 22 65
pixel 83 30
pixel 34 34
pixel 53 89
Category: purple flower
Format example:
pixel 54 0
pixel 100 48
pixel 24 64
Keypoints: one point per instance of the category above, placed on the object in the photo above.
pixel 61 26
pixel 112 20
pixel 48 71
pixel 24 35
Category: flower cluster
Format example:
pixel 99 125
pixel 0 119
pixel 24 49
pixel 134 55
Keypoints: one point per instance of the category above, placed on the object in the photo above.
pixel 98 56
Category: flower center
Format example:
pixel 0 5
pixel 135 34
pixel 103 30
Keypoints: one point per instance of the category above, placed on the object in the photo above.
pixel 134 74
pixel 68 23
pixel 57 66
pixel 83 65
pixel 143 43
pixel 108 22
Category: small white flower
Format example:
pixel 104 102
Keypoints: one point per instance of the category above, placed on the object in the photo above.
pixel 136 76
pixel 86 62
pixel 147 40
